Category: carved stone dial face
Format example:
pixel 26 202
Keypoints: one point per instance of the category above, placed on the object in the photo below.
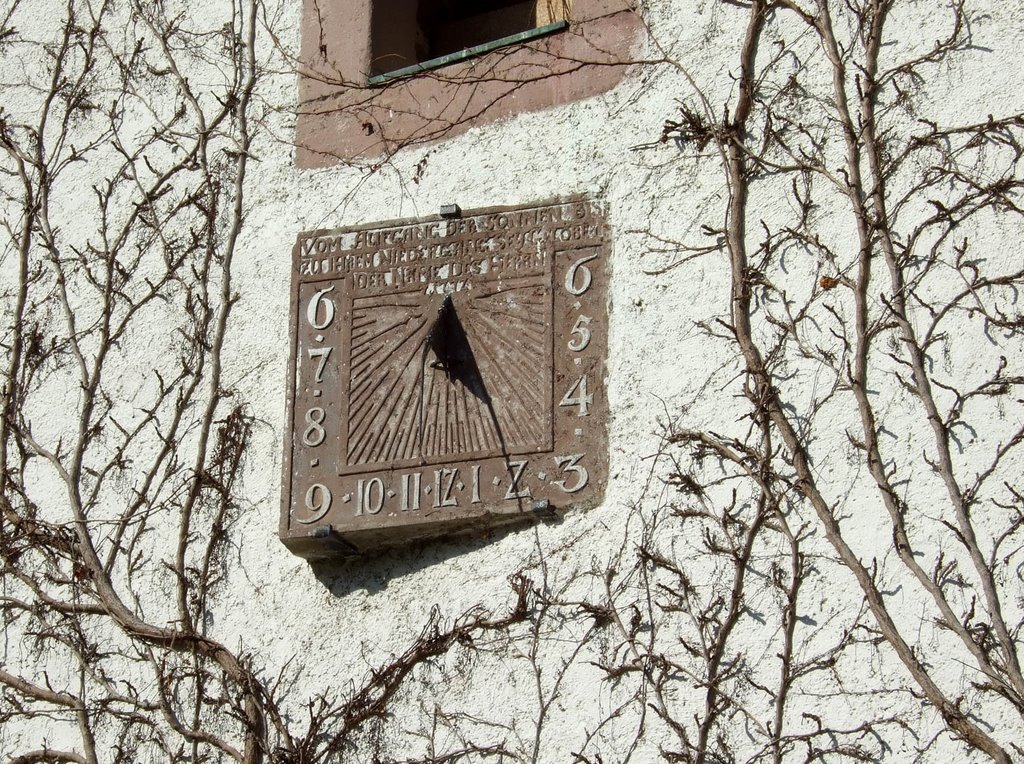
pixel 431 378
pixel 446 374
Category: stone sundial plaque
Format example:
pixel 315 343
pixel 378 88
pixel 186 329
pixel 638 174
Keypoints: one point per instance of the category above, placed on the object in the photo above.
pixel 445 374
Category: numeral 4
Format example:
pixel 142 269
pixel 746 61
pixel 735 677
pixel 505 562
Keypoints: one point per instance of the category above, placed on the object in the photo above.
pixel 581 397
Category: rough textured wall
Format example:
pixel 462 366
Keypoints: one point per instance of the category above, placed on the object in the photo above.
pixel 810 543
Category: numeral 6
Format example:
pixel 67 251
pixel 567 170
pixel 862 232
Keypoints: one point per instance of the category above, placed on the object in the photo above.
pixel 586 277
pixel 313 309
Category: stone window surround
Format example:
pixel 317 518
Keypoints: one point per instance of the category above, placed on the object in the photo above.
pixel 342 118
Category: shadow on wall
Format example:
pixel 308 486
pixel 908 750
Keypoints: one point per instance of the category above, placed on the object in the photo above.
pixel 373 571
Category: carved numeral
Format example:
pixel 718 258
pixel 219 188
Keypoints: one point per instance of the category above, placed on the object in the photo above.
pixel 514 491
pixel 578 343
pixel 323 354
pixel 411 491
pixel 571 464
pixel 369 496
pixel 581 399
pixel 318 502
pixel 475 496
pixel 444 480
pixel 578 286
pixel 313 309
pixel 314 433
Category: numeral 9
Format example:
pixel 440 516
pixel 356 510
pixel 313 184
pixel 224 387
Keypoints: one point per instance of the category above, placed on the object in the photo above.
pixel 318 502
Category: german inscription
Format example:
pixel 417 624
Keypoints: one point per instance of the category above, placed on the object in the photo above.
pixel 445 375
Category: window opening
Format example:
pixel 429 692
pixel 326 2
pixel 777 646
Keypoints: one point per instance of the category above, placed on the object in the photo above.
pixel 410 36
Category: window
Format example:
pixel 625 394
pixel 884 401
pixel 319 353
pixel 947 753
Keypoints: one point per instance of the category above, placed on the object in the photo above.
pixel 346 41
pixel 410 36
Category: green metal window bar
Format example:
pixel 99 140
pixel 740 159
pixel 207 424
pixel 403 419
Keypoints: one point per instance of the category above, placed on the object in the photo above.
pixel 463 55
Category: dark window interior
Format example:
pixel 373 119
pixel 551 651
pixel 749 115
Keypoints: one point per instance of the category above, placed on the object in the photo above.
pixel 408 32
pixel 453 25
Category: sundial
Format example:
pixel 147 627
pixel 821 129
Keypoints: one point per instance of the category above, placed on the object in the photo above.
pixel 447 374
